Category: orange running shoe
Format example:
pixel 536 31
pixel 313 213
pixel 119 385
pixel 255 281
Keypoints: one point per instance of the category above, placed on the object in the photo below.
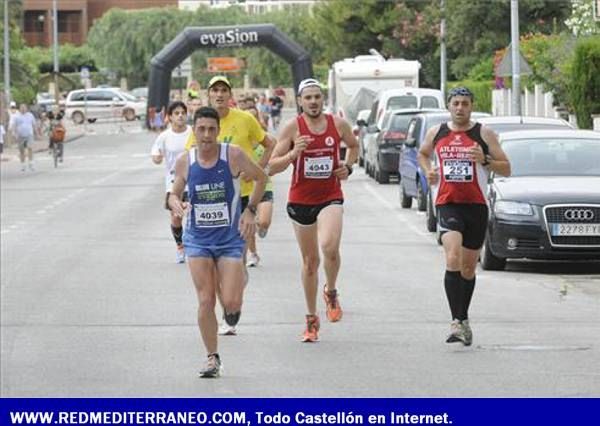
pixel 311 334
pixel 334 310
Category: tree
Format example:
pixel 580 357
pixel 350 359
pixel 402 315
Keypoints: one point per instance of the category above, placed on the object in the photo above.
pixel 581 22
pixel 585 80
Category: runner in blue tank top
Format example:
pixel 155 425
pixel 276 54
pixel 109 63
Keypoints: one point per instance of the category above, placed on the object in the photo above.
pixel 215 228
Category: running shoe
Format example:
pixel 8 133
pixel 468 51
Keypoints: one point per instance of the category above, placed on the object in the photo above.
pixel 334 310
pixel 227 330
pixel 467 333
pixel 311 334
pixel 253 260
pixel 180 255
pixel 456 333
pixel 262 232
pixel 212 368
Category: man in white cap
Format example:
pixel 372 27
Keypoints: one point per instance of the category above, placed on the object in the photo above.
pixel 311 143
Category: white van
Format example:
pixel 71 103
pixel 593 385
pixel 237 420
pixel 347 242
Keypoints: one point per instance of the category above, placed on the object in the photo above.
pixel 102 103
pixel 394 99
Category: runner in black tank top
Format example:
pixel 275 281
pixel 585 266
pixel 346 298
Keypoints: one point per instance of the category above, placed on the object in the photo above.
pixel 465 153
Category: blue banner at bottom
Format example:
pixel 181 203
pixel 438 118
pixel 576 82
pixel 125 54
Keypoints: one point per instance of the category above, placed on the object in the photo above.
pixel 299 411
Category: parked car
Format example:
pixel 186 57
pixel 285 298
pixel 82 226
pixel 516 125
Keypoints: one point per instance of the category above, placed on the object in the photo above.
pixel 384 152
pixel 102 103
pixel 140 92
pixel 413 182
pixel 359 130
pixel 501 124
pixel 396 99
pixel 509 123
pixel 549 208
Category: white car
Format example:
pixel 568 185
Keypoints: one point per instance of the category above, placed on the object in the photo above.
pixel 96 103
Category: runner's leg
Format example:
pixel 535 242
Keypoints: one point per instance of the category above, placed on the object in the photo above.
pixel 307 238
pixel 204 276
pixel 330 221
pixel 231 275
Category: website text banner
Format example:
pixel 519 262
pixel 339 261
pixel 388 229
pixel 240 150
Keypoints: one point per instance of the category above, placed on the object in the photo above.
pixel 283 411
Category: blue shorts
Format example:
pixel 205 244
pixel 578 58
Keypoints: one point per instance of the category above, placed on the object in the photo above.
pixel 234 252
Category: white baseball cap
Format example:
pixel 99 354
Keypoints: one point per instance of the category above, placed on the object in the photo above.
pixel 308 82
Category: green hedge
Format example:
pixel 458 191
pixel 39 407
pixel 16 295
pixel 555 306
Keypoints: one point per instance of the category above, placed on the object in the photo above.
pixel 585 81
pixel 482 90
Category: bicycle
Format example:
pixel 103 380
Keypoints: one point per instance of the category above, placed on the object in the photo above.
pixel 57 153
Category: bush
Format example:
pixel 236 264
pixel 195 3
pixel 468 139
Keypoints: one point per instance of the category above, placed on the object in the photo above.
pixel 585 81
pixel 482 90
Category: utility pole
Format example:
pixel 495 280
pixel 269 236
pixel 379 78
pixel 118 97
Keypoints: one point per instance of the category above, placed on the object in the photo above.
pixel 443 76
pixel 6 54
pixel 516 64
pixel 55 39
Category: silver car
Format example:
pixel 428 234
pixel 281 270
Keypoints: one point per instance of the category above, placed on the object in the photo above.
pixel 96 103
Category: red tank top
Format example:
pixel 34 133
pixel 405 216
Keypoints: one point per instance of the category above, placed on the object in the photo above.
pixel 462 181
pixel 313 181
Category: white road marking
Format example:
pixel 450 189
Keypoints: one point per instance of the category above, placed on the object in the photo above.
pixel 392 208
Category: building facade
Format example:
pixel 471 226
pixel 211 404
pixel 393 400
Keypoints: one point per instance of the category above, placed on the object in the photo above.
pixel 251 7
pixel 75 18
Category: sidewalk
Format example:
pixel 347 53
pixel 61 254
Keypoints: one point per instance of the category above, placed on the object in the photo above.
pixel 11 152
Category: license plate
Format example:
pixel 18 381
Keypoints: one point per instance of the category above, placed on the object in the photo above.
pixel 575 229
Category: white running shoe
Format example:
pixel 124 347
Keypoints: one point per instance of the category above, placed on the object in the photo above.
pixel 253 260
pixel 227 330
pixel 180 255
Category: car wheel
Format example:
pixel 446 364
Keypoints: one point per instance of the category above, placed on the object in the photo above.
pixel 489 262
pixel 129 114
pixel 421 199
pixel 405 200
pixel 77 117
pixel 383 177
pixel 430 216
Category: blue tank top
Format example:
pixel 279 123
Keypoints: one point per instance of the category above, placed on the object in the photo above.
pixel 214 196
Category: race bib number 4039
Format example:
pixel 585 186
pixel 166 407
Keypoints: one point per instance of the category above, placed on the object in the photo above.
pixel 211 215
pixel 318 167
pixel 458 170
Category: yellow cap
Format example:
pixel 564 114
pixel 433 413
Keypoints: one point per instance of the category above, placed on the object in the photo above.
pixel 219 79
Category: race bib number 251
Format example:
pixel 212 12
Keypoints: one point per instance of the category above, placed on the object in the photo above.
pixel 458 170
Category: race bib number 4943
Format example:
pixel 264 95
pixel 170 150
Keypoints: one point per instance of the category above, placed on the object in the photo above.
pixel 211 215
pixel 458 170
pixel 318 167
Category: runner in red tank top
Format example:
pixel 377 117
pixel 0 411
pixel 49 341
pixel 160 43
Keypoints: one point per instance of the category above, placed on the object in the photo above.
pixel 311 142
pixel 466 152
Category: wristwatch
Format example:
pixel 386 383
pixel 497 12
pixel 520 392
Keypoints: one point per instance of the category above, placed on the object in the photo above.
pixel 251 209
pixel 488 158
pixel 350 169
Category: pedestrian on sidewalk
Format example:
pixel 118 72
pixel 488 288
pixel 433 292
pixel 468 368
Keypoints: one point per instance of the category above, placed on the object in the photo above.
pixel 466 152
pixel 215 227
pixel 25 128
pixel 311 143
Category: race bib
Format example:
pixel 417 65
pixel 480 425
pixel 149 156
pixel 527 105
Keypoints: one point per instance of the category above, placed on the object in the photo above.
pixel 318 167
pixel 458 170
pixel 211 215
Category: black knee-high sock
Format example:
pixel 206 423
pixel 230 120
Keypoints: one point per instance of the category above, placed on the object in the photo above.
pixel 453 286
pixel 177 234
pixel 467 287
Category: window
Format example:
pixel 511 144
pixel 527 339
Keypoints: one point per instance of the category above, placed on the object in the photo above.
pixel 429 102
pixel 34 21
pixel 77 97
pixel 68 22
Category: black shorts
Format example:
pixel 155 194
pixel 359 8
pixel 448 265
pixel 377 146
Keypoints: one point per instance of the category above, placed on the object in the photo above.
pixel 470 220
pixel 305 214
pixel 184 197
pixel 267 196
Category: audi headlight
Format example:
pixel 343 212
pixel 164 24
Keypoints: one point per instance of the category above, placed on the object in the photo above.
pixel 513 208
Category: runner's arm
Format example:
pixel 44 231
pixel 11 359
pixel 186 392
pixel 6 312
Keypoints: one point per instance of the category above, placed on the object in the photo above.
pixel 181 170
pixel 281 157
pixel 349 139
pixel 425 153
pixel 241 163
pixel 269 143
pixel 498 161
pixel 156 151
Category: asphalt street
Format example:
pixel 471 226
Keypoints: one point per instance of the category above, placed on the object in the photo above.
pixel 93 304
